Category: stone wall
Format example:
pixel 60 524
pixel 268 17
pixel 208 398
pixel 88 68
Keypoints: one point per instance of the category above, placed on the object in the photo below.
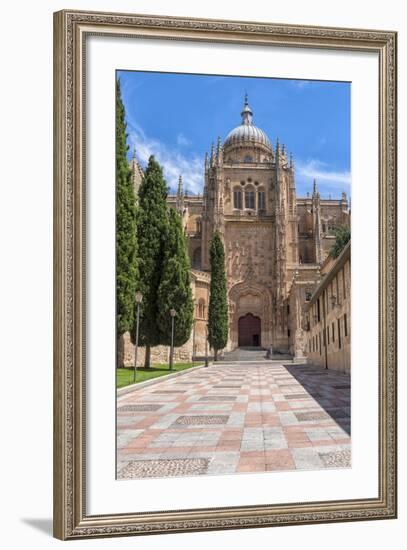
pixel 329 334
pixel 304 281
pixel 159 354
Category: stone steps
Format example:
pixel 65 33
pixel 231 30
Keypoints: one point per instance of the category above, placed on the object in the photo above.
pixel 253 355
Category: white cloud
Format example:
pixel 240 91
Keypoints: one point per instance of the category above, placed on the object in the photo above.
pixel 329 181
pixel 182 140
pixel 174 163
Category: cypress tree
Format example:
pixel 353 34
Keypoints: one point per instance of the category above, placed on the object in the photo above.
pixel 218 305
pixel 342 236
pixel 175 286
pixel 152 223
pixel 126 242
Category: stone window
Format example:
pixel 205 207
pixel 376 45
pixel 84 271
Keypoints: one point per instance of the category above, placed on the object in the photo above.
pixel 261 198
pixel 201 308
pixel 333 332
pixel 248 158
pixel 249 199
pixel 345 324
pixel 337 287
pixel 237 199
pixel 344 281
pixel 339 334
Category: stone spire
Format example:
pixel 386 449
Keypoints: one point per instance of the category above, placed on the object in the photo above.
pixel 213 154
pixel 316 210
pixel 206 162
pixel 219 153
pixel 180 186
pixel 344 201
pixel 278 147
pixel 314 188
pixel 136 173
pixel 180 196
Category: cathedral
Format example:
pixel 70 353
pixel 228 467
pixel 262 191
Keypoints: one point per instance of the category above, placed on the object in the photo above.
pixel 275 242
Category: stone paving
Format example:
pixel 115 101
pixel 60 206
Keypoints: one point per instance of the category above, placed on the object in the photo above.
pixel 235 417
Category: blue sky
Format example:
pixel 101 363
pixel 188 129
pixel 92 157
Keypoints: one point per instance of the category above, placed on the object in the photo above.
pixel 177 116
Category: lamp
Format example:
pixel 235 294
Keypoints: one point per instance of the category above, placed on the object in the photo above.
pixel 173 314
pixel 138 298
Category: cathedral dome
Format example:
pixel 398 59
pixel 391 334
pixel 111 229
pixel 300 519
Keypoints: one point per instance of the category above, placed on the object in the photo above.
pixel 247 133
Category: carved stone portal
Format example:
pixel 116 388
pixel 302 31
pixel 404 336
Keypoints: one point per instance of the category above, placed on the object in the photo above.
pixel 249 299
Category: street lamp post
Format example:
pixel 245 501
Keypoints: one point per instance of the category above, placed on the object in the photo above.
pixel 206 347
pixel 193 339
pixel 138 297
pixel 173 314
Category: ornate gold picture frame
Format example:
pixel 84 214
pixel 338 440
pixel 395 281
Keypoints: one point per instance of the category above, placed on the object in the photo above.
pixel 71 31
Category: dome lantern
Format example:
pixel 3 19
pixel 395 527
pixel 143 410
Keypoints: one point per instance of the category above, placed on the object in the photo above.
pixel 247 113
pixel 247 134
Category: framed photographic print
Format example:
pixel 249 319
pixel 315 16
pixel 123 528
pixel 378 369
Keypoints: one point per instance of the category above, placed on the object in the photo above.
pixel 225 274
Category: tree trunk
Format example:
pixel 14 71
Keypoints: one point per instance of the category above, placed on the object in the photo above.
pixel 147 358
pixel 120 352
pixel 215 356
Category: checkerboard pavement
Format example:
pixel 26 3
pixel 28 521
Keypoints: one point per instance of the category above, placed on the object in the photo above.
pixel 235 417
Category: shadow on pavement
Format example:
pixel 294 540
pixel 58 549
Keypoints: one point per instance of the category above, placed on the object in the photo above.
pixel 331 389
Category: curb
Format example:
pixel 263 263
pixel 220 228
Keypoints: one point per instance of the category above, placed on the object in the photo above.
pixel 270 362
pixel 141 385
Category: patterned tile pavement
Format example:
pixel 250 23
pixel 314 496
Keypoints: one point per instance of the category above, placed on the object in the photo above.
pixel 235 417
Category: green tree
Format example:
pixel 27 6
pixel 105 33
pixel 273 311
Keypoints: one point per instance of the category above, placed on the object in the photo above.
pixel 126 241
pixel 218 305
pixel 342 236
pixel 152 221
pixel 175 286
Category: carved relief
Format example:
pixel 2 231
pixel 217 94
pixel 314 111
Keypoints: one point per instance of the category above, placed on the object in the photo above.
pixel 249 252
pixel 250 301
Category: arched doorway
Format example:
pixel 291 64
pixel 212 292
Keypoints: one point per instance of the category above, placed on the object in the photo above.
pixel 249 331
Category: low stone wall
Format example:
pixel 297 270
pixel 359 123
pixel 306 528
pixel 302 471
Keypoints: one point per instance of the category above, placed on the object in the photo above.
pixel 159 354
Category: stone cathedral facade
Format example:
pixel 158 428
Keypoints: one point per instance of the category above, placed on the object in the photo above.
pixel 275 242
